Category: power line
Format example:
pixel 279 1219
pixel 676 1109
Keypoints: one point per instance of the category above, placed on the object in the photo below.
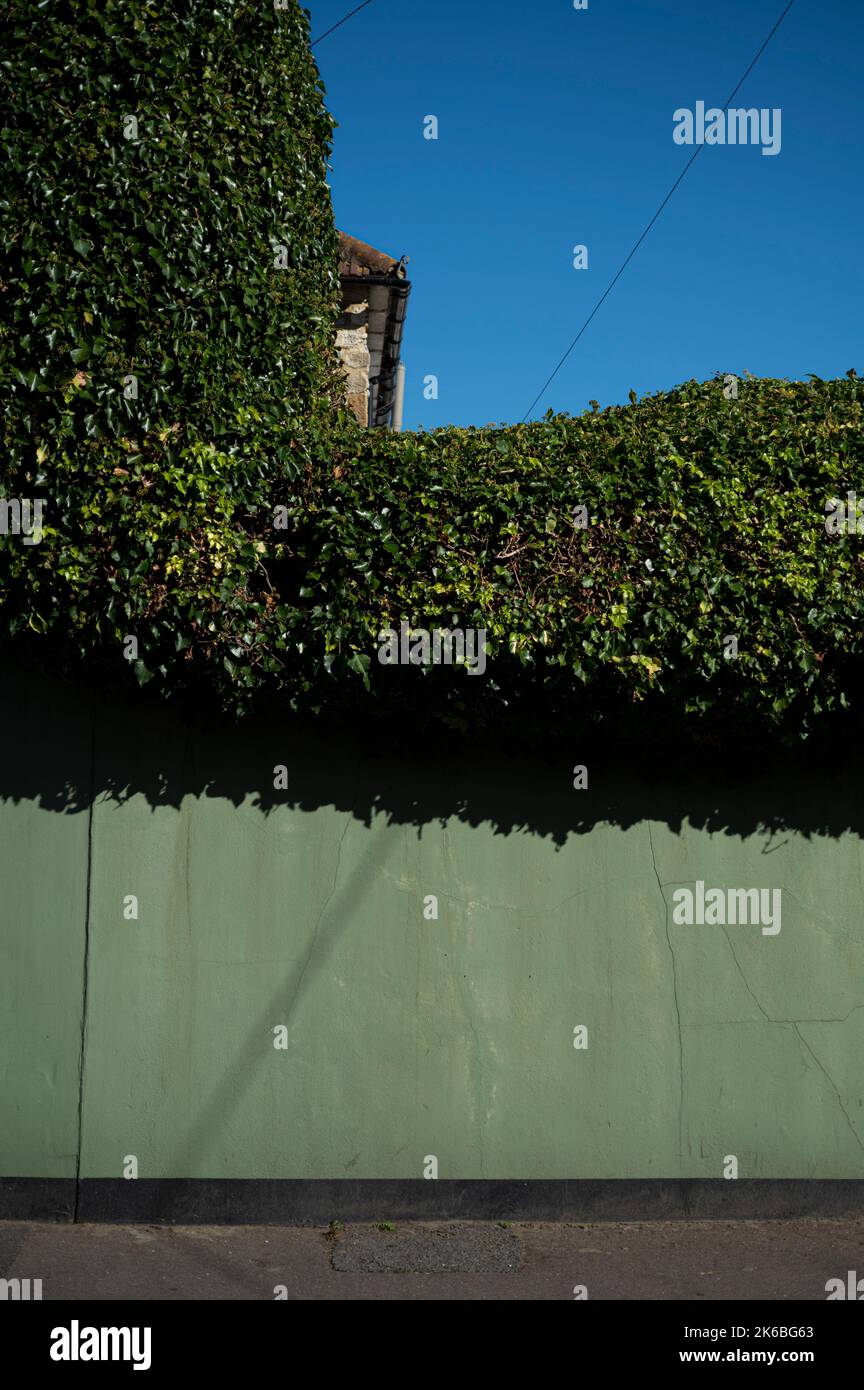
pixel 625 263
pixel 342 21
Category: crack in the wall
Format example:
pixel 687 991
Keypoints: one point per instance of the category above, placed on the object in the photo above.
pixel 467 1004
pixel 797 1023
pixel 480 1090
pixel 746 982
pixel 675 997
pixel 765 1013
pixel 853 1131
pixel 85 970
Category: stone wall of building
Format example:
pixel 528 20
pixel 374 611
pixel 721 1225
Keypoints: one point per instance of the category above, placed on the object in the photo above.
pixel 353 348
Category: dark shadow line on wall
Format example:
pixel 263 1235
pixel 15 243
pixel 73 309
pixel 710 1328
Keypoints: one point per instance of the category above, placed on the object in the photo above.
pixel 156 755
pixel 88 897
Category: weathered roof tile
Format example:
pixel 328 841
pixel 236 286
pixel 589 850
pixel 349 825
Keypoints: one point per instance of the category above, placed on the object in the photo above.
pixel 356 258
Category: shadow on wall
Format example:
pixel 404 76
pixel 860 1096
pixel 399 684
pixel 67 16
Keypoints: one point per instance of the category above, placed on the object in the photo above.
pixel 64 748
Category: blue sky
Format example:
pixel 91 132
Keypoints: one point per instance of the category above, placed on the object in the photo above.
pixel 555 129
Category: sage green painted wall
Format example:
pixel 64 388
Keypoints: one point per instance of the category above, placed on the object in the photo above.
pixel 43 899
pixel 410 1037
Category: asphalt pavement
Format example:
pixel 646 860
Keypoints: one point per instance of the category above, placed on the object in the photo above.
pixel 696 1260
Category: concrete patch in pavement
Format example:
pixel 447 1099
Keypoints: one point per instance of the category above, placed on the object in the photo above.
pixel 459 1247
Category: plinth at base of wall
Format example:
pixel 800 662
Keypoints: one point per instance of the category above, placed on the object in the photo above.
pixel 317 1202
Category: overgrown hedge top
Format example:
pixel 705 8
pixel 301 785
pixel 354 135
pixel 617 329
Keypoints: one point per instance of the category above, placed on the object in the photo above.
pixel 169 253
pixel 167 302
pixel 705 521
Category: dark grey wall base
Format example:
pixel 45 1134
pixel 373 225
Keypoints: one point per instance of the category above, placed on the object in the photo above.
pixel 37 1199
pixel 301 1202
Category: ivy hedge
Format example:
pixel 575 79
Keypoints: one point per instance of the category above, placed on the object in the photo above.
pixel 169 253
pixel 216 531
pixel 610 558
